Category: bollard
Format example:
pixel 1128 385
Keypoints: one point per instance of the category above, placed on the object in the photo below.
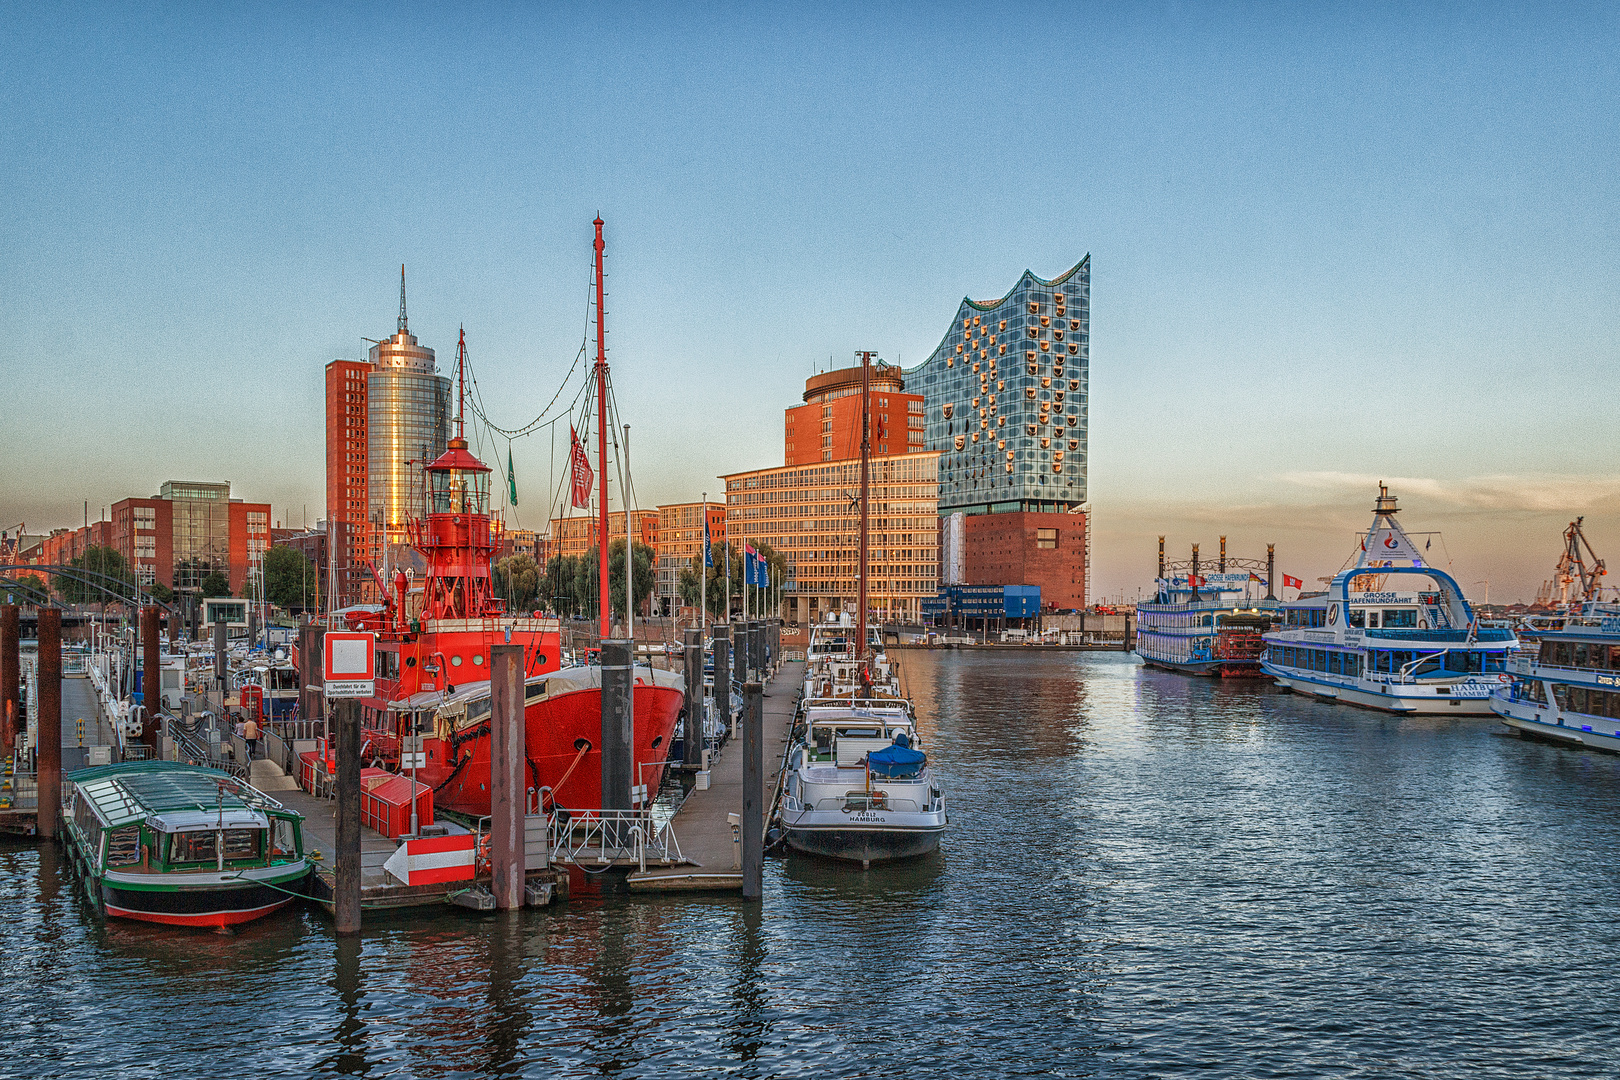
pixel 693 735
pixel 753 793
pixel 10 676
pixel 721 646
pixel 50 721
pixel 617 725
pixel 346 889
pixel 153 701
pixel 507 800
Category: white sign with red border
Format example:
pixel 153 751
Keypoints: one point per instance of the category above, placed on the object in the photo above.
pixel 432 859
pixel 350 666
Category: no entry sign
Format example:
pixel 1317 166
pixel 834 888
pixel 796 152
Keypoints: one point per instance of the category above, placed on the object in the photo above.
pixel 351 664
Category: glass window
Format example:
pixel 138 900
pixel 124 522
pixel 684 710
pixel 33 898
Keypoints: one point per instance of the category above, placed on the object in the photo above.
pixel 193 847
pixel 1402 618
pixel 242 844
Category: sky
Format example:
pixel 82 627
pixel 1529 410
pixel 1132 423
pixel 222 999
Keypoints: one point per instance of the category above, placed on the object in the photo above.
pixel 1331 245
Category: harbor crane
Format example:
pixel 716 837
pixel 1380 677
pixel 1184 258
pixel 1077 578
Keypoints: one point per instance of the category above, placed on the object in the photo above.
pixel 1574 581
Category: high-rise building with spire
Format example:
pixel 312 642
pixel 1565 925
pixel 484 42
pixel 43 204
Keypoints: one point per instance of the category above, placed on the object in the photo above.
pixel 386 416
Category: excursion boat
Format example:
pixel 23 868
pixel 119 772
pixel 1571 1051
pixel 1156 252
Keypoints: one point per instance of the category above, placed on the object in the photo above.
pixel 1390 633
pixel 433 651
pixel 163 842
pixel 1207 624
pixel 858 785
pixel 1568 688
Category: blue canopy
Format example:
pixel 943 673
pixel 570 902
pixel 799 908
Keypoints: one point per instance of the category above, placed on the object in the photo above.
pixel 896 762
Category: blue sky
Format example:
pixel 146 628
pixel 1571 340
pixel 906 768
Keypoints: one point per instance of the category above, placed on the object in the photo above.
pixel 1329 247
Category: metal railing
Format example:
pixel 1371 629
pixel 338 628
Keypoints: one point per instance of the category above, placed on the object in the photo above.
pixel 20 792
pixel 605 837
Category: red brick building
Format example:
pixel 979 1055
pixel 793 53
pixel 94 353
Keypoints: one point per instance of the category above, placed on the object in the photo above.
pixel 347 472
pixel 1044 549
pixel 827 427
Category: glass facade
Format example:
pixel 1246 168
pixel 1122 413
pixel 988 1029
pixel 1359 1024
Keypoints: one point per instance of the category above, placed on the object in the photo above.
pixel 1006 396
pixel 201 523
pixel 408 426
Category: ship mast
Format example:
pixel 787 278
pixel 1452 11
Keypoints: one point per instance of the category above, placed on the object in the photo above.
pixel 601 450
pixel 866 487
pixel 461 383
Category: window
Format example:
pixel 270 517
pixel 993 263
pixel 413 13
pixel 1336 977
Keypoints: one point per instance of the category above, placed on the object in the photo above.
pixel 1405 618
pixel 193 847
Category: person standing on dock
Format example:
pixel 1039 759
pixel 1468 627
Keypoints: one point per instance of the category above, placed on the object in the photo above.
pixel 250 732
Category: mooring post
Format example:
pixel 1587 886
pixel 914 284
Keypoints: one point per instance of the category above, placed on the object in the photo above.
pixel 739 652
pixel 346 895
pixel 311 674
pixel 753 793
pixel 10 675
pixel 721 646
pixel 617 722
pixel 692 757
pixel 756 650
pixel 50 720
pixel 152 698
pixel 221 667
pixel 253 627
pixel 507 801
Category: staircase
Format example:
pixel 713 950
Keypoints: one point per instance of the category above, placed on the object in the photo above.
pixel 267 777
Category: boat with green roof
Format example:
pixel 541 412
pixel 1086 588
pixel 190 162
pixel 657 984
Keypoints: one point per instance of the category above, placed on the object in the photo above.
pixel 184 845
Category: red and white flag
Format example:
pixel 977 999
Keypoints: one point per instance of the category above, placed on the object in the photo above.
pixel 1292 582
pixel 581 476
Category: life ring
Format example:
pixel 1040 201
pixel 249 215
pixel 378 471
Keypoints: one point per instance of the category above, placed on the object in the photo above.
pixel 481 853
pixel 1504 678
pixel 1333 614
pixel 1423 624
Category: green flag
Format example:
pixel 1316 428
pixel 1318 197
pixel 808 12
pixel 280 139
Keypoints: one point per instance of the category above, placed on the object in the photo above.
pixel 511 477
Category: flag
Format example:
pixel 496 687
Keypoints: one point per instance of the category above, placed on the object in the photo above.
pixel 511 477
pixel 708 552
pixel 750 565
pixel 1292 582
pixel 1428 542
pixel 1193 581
pixel 580 471
pixel 1256 577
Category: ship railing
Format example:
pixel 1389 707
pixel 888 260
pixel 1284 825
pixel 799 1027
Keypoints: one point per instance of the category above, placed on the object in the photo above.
pixel 609 837
pixel 20 791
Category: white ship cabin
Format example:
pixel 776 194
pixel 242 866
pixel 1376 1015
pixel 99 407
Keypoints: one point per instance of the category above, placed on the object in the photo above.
pixel 843 737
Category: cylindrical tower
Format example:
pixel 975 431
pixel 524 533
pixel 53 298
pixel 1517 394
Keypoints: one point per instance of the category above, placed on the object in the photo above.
pixel 408 425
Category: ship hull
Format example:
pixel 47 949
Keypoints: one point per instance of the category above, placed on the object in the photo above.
pixel 556 730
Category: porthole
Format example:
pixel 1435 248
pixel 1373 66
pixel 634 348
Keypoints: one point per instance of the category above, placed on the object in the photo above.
pixel 455 661
pixel 478 659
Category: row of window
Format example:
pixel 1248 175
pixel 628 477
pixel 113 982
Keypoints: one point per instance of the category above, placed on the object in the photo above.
pixel 1580 654
pixel 1389 661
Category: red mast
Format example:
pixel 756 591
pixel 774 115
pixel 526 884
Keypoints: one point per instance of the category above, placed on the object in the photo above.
pixel 866 451
pixel 461 384
pixel 601 447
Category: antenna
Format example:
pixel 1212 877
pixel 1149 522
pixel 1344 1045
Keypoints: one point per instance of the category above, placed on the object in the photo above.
pixel 404 323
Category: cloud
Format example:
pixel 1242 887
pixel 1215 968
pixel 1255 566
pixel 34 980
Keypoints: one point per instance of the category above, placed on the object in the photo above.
pixel 1531 492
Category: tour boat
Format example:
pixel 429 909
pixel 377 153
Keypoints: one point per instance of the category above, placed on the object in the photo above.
pixel 1208 624
pixel 163 842
pixel 1390 633
pixel 1568 689
pixel 431 712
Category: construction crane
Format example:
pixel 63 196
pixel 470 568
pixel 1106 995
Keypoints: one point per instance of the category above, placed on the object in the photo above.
pixel 1574 582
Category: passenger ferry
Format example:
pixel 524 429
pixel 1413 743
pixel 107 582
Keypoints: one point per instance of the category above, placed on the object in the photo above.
pixel 1206 624
pixel 1390 633
pixel 1569 688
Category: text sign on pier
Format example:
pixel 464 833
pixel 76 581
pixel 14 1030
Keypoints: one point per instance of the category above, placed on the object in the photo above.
pixel 351 664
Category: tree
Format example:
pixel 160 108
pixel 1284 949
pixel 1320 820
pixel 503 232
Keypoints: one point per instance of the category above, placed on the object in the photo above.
pixel 215 584
pixel 104 569
pixel 29 589
pixel 517 580
pixel 161 592
pixel 289 578
pixel 643 563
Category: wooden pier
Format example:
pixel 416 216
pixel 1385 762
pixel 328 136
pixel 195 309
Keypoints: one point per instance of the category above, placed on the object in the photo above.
pixel 703 823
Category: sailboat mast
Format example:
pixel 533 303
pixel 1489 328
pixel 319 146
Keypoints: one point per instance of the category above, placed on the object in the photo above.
pixel 866 489
pixel 461 385
pixel 601 450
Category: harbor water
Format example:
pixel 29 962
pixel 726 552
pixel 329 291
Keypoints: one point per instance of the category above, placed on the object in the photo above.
pixel 1145 875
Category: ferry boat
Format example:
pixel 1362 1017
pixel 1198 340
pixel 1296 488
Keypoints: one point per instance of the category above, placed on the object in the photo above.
pixel 184 845
pixel 434 641
pixel 1390 633
pixel 1207 624
pixel 1568 688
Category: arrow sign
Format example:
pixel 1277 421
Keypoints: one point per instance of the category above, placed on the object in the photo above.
pixel 431 859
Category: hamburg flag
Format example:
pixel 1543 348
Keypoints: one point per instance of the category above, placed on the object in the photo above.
pixel 1292 582
pixel 581 476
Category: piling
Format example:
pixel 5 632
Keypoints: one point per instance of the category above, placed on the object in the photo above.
pixel 50 720
pixel 311 676
pixel 506 790
pixel 739 653
pixel 152 683
pixel 346 886
pixel 721 646
pixel 253 627
pixel 756 650
pixel 221 645
pixel 692 758
pixel 617 724
pixel 753 792
pixel 10 675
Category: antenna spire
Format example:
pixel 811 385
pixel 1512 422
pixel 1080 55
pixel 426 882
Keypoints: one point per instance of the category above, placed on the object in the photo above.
pixel 404 323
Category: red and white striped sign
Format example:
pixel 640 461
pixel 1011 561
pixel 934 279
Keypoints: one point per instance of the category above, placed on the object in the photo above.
pixel 432 859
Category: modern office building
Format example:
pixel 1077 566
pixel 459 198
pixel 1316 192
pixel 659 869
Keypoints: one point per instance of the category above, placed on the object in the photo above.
pixel 386 417
pixel 827 427
pixel 573 536
pixel 1006 401
pixel 680 541
pixel 191 529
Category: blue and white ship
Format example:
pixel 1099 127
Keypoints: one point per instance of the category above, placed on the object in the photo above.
pixel 1207 624
pixel 1390 633
pixel 1568 689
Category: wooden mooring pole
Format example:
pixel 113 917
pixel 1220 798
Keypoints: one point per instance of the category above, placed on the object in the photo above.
pixel 617 723
pixel 10 677
pixel 721 647
pixel 346 887
pixel 153 679
pixel 50 721
pixel 692 757
pixel 506 789
pixel 753 792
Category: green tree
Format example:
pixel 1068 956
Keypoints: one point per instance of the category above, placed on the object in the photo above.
pixel 518 580
pixel 29 589
pixel 643 575
pixel 161 592
pixel 289 578
pixel 106 568
pixel 215 584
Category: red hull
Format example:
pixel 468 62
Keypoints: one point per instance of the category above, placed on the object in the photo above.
pixel 209 918
pixel 554 730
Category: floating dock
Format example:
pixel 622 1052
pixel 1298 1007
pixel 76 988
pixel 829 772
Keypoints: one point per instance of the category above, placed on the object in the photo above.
pixel 702 824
